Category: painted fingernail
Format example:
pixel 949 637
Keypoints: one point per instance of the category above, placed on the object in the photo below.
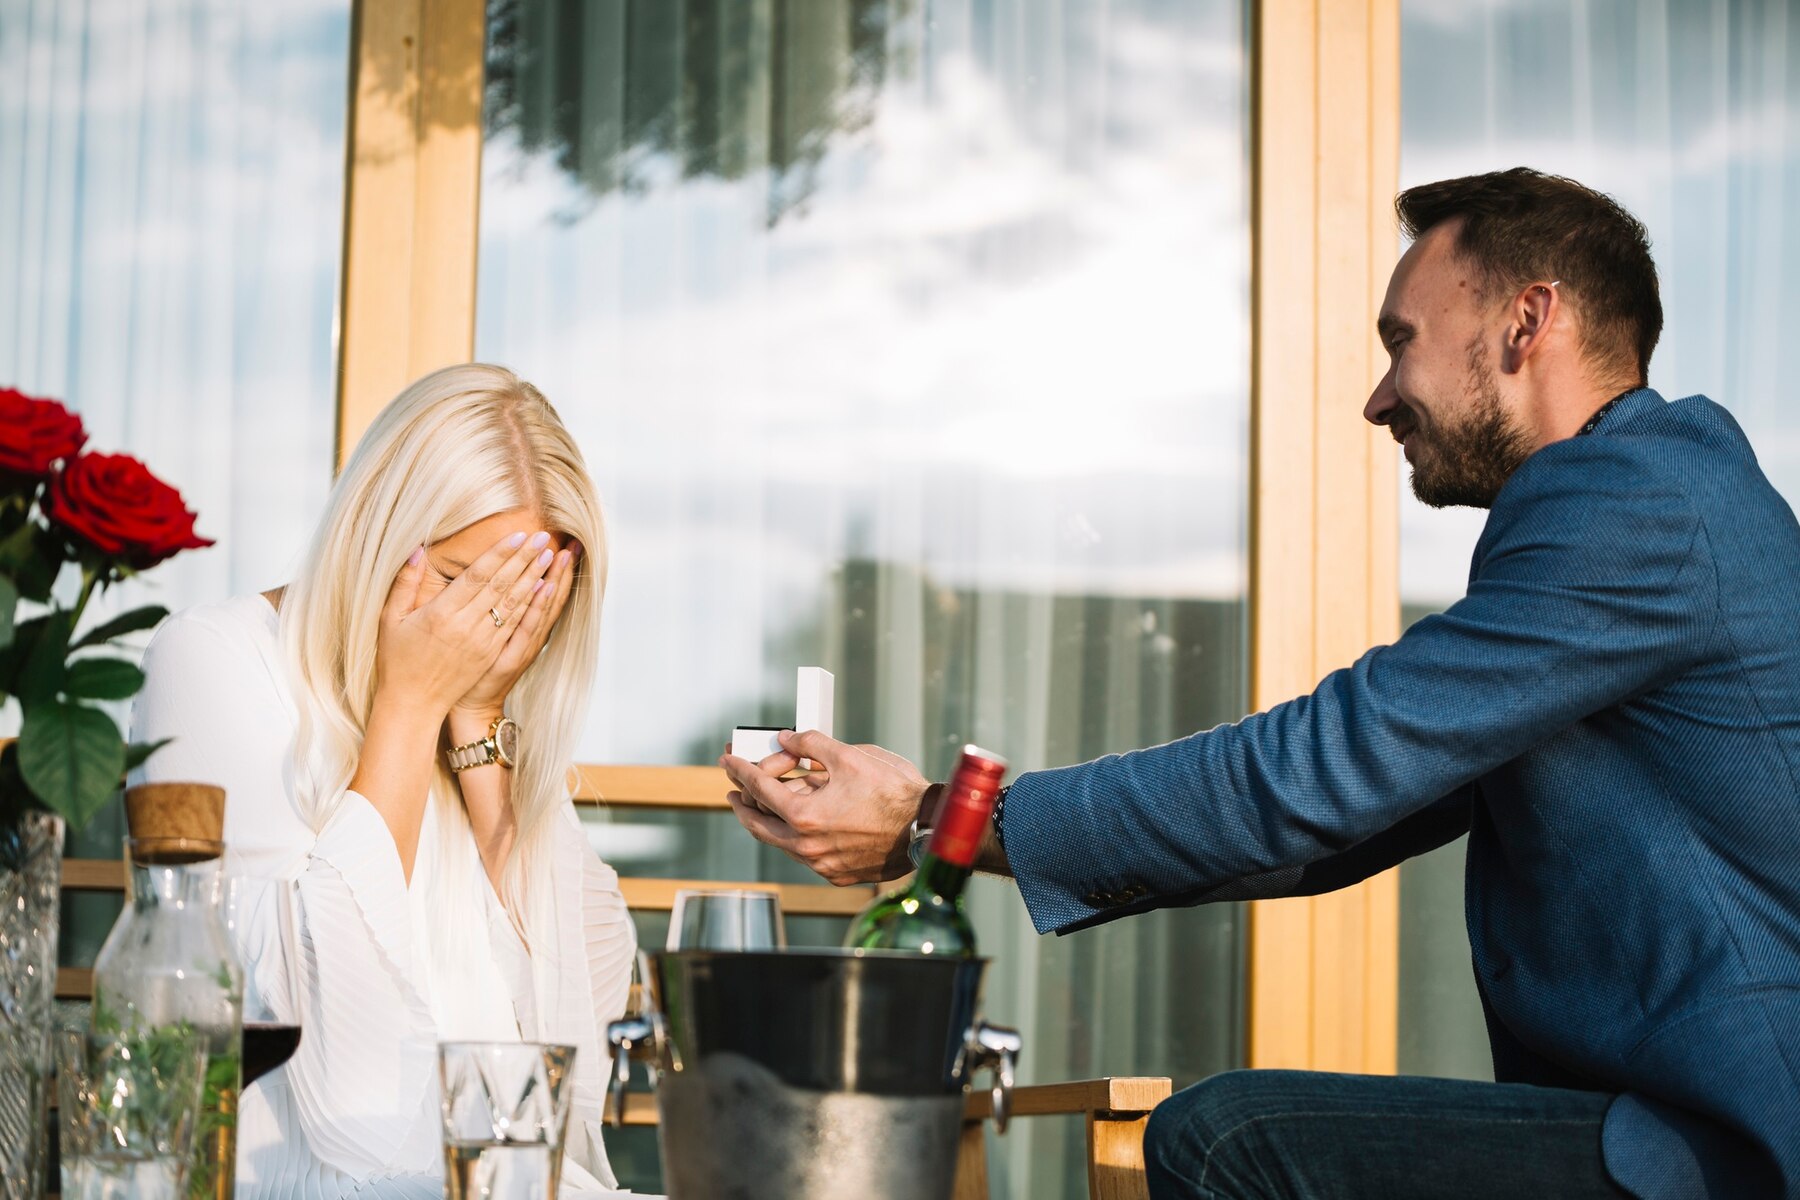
pixel 416 557
pixel 516 540
pixel 539 586
pixel 543 560
pixel 540 538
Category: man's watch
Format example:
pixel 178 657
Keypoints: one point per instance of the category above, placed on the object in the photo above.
pixel 501 745
pixel 919 835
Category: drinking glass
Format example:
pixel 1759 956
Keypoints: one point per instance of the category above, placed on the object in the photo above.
pixel 271 1022
pixel 505 1106
pixel 128 1106
pixel 726 920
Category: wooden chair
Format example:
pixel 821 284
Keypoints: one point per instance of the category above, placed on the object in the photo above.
pixel 1115 1110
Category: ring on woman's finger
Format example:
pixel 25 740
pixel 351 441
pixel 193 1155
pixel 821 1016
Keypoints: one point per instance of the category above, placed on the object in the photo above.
pixel 498 619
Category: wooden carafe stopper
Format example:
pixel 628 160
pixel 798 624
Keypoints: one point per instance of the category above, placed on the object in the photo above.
pixel 195 811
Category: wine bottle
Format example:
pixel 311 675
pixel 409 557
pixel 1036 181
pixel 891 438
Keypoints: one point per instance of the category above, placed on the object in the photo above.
pixel 926 917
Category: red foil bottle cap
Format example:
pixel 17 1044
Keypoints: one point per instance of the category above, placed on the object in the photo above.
pixel 967 806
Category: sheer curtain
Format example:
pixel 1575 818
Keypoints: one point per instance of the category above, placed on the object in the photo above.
pixel 1688 112
pixel 171 191
pixel 911 340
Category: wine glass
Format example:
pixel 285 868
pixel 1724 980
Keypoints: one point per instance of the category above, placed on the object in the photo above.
pixel 269 1042
pixel 736 919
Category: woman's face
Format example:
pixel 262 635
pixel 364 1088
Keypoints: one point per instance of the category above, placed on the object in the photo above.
pixel 449 558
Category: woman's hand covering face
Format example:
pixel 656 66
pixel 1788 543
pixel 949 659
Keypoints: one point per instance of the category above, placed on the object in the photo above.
pixel 530 630
pixel 435 652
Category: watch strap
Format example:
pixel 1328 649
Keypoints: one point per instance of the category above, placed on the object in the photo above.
pixel 475 754
pixel 478 753
pixel 919 835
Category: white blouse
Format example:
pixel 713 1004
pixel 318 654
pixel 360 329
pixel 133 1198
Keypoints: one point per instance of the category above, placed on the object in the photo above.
pixel 333 939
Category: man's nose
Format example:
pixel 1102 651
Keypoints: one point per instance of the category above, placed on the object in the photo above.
pixel 1384 401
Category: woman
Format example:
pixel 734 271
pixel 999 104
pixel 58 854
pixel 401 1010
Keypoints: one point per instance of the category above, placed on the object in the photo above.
pixel 410 870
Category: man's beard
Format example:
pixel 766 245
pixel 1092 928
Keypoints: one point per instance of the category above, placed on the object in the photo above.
pixel 1469 462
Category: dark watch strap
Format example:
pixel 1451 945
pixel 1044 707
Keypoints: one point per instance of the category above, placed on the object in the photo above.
pixel 928 805
pixel 920 834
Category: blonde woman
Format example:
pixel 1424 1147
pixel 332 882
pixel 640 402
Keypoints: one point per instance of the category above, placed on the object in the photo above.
pixel 394 732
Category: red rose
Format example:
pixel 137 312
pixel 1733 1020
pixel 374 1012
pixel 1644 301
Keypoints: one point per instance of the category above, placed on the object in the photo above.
pixel 35 433
pixel 115 503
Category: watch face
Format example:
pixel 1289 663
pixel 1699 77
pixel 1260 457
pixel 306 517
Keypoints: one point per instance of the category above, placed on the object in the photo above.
pixel 506 738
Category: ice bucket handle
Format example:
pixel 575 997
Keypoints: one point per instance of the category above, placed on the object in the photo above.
pixel 634 1037
pixel 997 1048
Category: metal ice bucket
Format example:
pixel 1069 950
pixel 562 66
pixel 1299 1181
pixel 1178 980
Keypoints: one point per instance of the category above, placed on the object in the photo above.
pixel 811 1075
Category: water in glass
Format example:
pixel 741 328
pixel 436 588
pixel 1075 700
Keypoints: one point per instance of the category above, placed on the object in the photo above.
pixel 505 1110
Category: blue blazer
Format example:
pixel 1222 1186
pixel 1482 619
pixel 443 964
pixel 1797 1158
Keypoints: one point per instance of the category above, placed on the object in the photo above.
pixel 1613 715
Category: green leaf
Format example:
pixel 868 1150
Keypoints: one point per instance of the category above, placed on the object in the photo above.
pixel 103 679
pixel 33 557
pixel 45 662
pixel 138 753
pixel 71 757
pixel 130 622
pixel 15 548
pixel 9 607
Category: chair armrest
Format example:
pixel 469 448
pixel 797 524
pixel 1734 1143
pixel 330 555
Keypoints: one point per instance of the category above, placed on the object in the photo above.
pixel 1112 1096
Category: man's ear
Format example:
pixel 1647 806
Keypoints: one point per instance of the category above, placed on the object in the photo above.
pixel 1532 313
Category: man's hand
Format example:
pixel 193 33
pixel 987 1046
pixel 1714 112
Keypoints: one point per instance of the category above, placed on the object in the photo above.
pixel 848 821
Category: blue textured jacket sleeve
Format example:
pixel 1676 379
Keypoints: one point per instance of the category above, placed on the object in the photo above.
pixel 1592 583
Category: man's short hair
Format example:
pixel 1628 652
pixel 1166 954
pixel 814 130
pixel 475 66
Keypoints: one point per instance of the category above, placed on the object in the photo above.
pixel 1522 225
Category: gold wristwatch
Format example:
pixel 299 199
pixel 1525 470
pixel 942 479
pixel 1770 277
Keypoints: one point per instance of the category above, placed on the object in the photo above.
pixel 501 745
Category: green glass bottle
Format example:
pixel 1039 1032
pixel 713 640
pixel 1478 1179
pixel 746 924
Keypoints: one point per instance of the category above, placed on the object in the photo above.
pixel 926 917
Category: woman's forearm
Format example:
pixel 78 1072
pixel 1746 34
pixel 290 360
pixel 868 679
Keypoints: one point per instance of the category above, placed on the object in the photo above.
pixel 394 773
pixel 487 795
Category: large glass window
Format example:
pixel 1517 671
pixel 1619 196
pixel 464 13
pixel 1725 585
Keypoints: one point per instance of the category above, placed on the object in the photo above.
pixel 171 196
pixel 1687 111
pixel 910 340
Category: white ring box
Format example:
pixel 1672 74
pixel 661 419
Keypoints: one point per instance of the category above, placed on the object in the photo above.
pixel 755 742
pixel 814 695
pixel 812 703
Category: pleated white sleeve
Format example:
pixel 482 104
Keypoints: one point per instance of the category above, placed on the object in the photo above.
pixel 588 985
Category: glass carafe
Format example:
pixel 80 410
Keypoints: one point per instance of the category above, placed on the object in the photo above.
pixel 169 965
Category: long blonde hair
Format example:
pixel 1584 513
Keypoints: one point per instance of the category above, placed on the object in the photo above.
pixel 461 444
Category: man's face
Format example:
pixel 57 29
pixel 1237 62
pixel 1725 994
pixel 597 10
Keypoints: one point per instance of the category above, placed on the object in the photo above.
pixel 1440 397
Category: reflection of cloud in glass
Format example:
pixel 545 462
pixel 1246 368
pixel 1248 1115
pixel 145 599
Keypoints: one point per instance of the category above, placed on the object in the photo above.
pixel 1004 339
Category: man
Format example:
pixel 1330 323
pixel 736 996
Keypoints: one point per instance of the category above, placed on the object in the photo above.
pixel 1612 714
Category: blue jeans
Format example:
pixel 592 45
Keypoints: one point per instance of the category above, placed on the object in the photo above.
pixel 1308 1135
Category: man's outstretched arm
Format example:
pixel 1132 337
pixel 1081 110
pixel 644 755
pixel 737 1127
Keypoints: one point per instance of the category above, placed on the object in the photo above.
pixel 1595 584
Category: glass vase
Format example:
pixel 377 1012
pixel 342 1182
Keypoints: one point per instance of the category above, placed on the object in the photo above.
pixel 169 965
pixel 30 878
